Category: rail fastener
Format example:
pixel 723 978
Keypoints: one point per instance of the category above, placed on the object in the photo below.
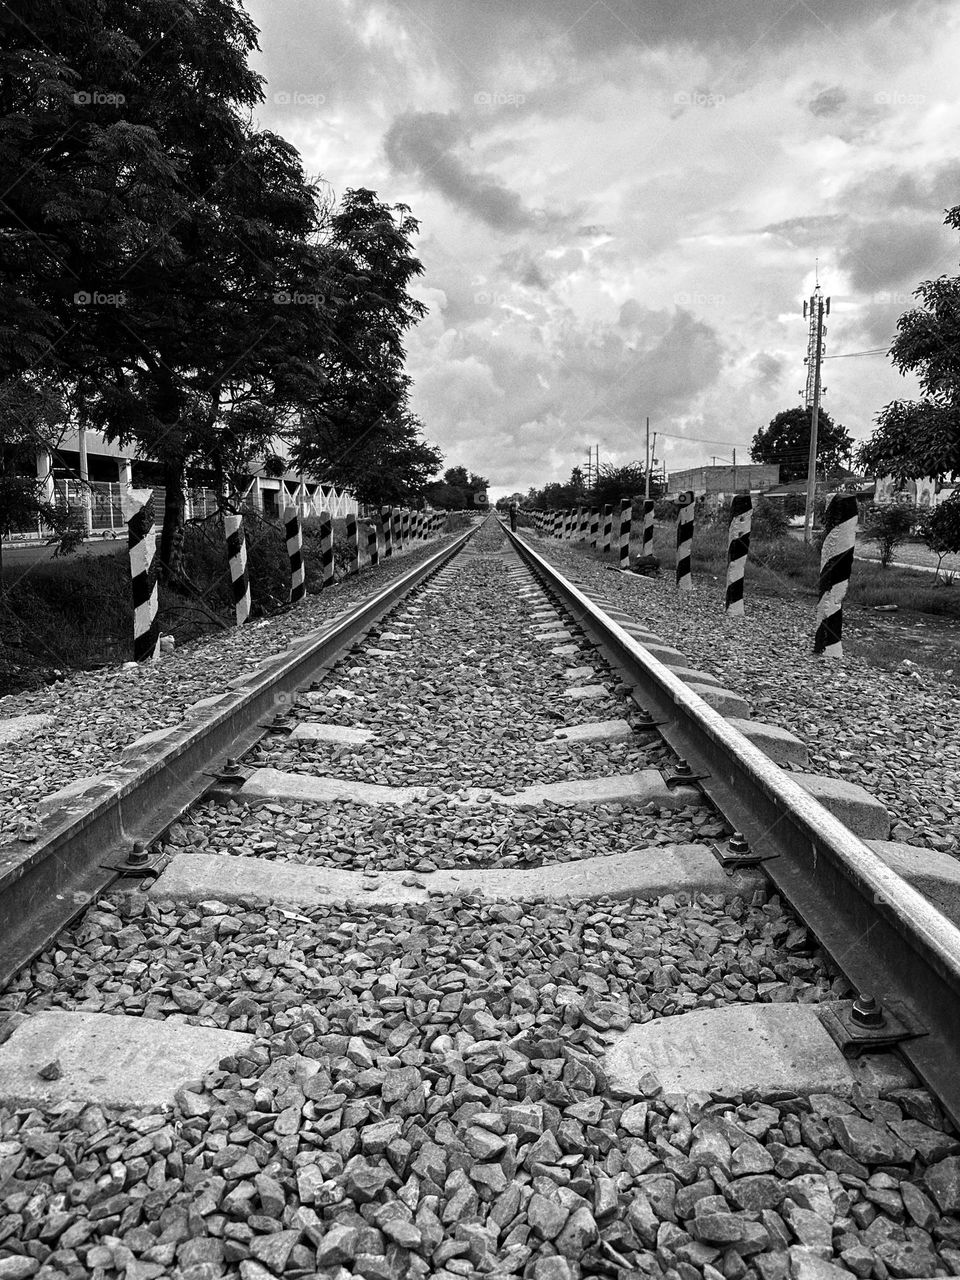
pixel 864 1026
pixel 738 855
pixel 141 860
pixel 683 775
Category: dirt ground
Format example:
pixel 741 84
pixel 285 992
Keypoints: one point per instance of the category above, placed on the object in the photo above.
pixel 897 641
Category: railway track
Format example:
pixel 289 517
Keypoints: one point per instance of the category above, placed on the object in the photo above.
pixel 460 966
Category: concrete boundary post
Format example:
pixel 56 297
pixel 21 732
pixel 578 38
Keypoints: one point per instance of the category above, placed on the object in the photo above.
pixel 396 525
pixel 836 563
pixel 142 544
pixel 353 544
pixel 607 528
pixel 741 517
pixel 326 548
pixel 373 542
pixel 595 527
pixel 386 517
pixel 646 548
pixel 626 520
pixel 293 531
pixel 237 555
pixel 684 540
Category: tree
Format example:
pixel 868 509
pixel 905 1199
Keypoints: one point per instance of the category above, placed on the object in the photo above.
pixel 617 484
pixel 940 529
pixel 888 524
pixel 787 441
pixel 360 415
pixel 922 437
pixel 156 252
pixel 455 491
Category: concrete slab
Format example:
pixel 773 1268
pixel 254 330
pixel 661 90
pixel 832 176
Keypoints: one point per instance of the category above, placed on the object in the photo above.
pixel 109 1058
pixel 934 874
pixel 315 731
pixel 13 728
pixel 392 635
pixel 690 676
pixel 642 787
pixel 274 784
pixel 566 650
pixel 665 653
pixel 334 691
pixel 766 1047
pixel 552 634
pixel 579 673
pixel 597 731
pixel 779 744
pixel 725 701
pixel 852 804
pixel 641 873
pixel 586 692
pixel 371 651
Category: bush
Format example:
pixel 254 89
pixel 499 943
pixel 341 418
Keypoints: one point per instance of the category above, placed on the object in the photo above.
pixel 888 525
pixel 940 529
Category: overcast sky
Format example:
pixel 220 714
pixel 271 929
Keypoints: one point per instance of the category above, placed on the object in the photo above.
pixel 621 203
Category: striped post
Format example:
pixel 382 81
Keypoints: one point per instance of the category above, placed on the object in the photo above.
pixel 293 531
pixel 142 543
pixel 404 527
pixel 595 527
pixel 373 542
pixel 555 530
pixel 741 516
pixel 607 528
pixel 326 548
pixel 353 544
pixel 583 523
pixel 684 541
pixel 626 520
pixel 396 529
pixel 647 547
pixel 386 517
pixel 237 555
pixel 836 562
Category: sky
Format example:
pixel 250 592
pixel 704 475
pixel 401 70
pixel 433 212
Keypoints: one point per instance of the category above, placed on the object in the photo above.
pixel 623 204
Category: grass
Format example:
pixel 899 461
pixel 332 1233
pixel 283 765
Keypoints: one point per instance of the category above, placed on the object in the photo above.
pixel 75 613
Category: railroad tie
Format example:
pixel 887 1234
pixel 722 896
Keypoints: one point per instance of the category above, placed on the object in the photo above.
pixel 142 543
pixel 684 540
pixel 326 548
pixel 741 516
pixel 626 519
pixel 836 562
pixel 237 556
pixel 293 531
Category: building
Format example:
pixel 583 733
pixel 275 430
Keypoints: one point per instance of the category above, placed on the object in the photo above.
pixel 90 474
pixel 755 477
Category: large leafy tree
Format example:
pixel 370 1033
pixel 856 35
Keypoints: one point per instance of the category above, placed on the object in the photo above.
pixel 922 437
pixel 359 431
pixel 787 441
pixel 455 491
pixel 156 252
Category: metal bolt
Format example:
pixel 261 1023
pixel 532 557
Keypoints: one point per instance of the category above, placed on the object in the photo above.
pixel 683 769
pixel 866 1011
pixel 231 766
pixel 738 845
pixel 138 854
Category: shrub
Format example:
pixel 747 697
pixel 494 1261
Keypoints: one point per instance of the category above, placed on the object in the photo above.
pixel 888 525
pixel 940 529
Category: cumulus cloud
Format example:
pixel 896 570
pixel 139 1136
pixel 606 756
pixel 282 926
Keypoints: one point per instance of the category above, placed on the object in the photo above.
pixel 828 101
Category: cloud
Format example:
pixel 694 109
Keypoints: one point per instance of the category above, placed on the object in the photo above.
pixel 424 143
pixel 828 101
pixel 880 255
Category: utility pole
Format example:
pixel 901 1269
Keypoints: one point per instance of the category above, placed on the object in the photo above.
pixel 814 311
pixel 646 469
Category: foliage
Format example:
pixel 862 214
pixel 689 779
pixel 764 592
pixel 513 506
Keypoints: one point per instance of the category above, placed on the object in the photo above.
pixel 940 528
pixel 617 484
pixel 888 524
pixel 455 491
pixel 787 441
pixel 922 437
pixel 768 521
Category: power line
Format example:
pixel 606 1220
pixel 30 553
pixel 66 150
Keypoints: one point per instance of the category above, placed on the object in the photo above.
pixel 849 355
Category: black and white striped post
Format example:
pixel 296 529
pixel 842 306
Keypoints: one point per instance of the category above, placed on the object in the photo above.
pixel 142 544
pixel 555 530
pixel 595 527
pixel 836 562
pixel 293 532
pixel 353 544
pixel 373 541
pixel 396 529
pixel 237 555
pixel 684 540
pixel 326 549
pixel 583 523
pixel 404 527
pixel 607 529
pixel 646 546
pixel 386 519
pixel 738 546
pixel 626 520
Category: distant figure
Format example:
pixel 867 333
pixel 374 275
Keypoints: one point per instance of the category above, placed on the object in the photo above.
pixel 513 517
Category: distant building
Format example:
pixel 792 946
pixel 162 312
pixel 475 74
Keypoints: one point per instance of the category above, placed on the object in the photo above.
pixel 922 492
pixel 755 477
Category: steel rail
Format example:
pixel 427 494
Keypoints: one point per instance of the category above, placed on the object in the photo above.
pixel 87 831
pixel 880 932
